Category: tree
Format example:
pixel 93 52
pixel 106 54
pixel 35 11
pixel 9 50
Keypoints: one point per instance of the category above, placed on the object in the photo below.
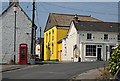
pixel 114 61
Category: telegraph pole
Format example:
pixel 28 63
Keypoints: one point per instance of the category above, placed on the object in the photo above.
pixel 40 45
pixel 33 28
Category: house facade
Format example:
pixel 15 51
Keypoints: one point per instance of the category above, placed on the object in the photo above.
pixel 90 41
pixel 51 47
pixel 56 29
pixel 23 33
pixel 40 48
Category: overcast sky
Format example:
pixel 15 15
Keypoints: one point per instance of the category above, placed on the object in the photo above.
pixel 106 11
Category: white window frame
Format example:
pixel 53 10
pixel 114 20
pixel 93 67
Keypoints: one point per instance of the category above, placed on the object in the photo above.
pixel 91 36
pixel 86 51
pixel 104 36
pixel 96 50
pixel 118 37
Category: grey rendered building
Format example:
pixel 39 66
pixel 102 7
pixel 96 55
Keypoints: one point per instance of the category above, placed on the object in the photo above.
pixel 23 32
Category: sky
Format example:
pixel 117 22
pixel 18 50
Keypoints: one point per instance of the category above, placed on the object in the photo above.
pixel 106 11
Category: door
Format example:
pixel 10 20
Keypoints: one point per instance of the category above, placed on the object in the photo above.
pixel 59 55
pixel 111 49
pixel 23 54
pixel 98 53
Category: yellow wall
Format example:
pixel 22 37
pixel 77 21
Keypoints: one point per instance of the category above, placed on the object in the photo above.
pixel 61 33
pixel 51 38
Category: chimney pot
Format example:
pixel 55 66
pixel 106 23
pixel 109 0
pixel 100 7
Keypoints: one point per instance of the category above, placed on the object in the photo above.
pixel 76 18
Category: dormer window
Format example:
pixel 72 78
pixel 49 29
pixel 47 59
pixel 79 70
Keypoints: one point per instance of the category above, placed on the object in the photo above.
pixel 89 36
pixel 105 36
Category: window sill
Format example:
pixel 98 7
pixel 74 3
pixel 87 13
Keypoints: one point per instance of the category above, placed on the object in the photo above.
pixel 90 56
pixel 106 40
pixel 89 39
pixel 118 40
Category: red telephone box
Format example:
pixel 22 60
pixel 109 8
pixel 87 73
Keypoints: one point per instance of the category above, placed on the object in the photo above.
pixel 23 53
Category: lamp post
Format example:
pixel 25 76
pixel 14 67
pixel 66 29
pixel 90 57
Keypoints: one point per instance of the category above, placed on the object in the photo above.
pixel 15 8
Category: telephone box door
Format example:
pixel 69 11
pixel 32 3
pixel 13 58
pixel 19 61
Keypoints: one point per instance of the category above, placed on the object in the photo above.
pixel 23 54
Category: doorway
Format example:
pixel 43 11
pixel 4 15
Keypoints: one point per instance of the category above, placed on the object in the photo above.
pixel 111 49
pixel 99 54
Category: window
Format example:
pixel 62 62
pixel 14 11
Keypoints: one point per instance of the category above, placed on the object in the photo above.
pixel 89 36
pixel 52 48
pixel 65 49
pixel 49 36
pixel 105 36
pixel 99 45
pixel 52 34
pixel 90 50
pixel 46 37
pixel 118 37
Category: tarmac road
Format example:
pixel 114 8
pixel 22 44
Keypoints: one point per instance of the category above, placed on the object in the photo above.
pixel 53 70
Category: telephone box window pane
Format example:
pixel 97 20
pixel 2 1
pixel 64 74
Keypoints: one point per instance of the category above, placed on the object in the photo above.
pixel 23 54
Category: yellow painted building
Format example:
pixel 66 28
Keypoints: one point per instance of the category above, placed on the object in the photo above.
pixel 56 29
pixel 51 46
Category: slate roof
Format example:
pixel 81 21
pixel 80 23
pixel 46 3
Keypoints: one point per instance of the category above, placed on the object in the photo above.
pixel 63 27
pixel 56 19
pixel 97 26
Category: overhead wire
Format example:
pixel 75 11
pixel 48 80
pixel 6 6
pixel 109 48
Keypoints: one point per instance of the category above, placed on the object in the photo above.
pixel 37 17
pixel 28 4
pixel 91 4
pixel 80 9
pixel 102 4
pixel 45 8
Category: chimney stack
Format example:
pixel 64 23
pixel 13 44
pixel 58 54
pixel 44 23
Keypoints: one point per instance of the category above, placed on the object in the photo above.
pixel 76 18
pixel 13 1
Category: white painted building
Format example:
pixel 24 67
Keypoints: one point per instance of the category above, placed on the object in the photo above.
pixel 90 41
pixel 37 50
pixel 23 32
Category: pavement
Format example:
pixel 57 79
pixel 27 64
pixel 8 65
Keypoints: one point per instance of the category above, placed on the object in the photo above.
pixel 93 75
pixel 5 68
pixel 90 74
